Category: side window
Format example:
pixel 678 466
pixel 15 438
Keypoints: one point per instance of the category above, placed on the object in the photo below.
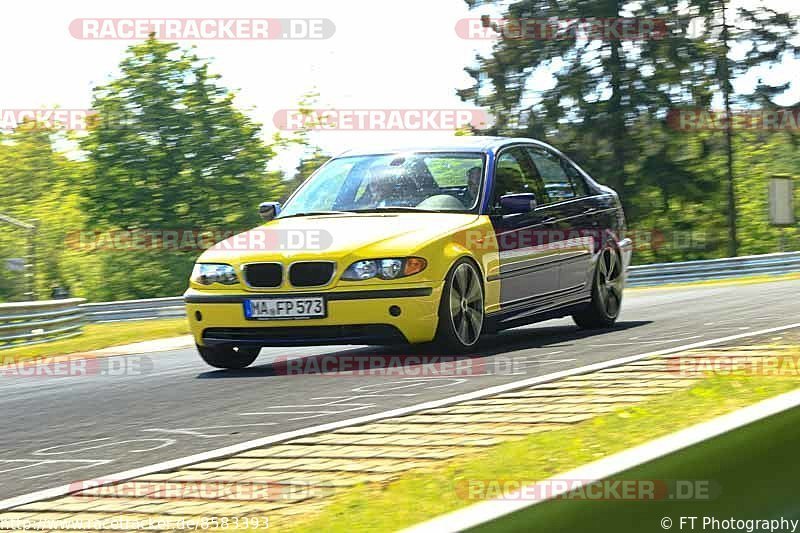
pixel 577 179
pixel 515 174
pixel 557 185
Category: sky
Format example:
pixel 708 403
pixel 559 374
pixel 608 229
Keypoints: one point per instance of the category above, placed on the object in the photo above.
pixel 383 54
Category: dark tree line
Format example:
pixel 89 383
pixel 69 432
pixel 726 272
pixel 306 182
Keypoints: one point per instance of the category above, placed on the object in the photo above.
pixel 611 97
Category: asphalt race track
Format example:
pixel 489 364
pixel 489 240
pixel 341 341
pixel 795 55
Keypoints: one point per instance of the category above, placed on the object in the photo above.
pixel 149 408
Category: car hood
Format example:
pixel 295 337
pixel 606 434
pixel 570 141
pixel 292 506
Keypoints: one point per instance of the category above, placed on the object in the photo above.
pixel 337 236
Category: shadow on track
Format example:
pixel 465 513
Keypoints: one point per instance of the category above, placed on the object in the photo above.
pixel 375 358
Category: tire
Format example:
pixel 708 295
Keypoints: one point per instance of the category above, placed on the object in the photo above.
pixel 603 310
pixel 228 356
pixel 461 311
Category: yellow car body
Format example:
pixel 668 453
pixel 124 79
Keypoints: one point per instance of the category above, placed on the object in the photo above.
pixel 439 238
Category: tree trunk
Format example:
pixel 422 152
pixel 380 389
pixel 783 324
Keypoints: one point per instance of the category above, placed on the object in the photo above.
pixel 618 133
pixel 725 84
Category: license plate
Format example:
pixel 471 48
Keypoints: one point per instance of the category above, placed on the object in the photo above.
pixel 277 308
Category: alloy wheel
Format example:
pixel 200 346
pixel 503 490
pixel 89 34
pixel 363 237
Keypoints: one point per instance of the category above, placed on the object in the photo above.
pixel 466 304
pixel 609 282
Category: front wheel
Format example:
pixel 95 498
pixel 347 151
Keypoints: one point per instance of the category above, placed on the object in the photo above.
pixel 228 356
pixel 461 310
pixel 603 310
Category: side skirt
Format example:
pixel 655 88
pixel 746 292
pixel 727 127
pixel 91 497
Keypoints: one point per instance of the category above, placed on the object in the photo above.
pixel 501 320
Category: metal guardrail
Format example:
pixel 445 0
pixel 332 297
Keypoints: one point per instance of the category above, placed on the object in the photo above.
pixel 638 276
pixel 714 269
pixel 151 308
pixel 26 323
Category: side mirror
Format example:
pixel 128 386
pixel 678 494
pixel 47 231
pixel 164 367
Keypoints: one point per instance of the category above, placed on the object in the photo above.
pixel 512 204
pixel 269 210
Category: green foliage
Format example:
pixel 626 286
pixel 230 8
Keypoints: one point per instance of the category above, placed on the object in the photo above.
pixel 38 185
pixel 609 105
pixel 451 171
pixel 168 150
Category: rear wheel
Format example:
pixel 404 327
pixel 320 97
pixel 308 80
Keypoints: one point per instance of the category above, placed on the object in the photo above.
pixel 603 310
pixel 461 311
pixel 228 356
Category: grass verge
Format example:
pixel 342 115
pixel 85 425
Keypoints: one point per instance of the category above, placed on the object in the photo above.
pixel 97 336
pixel 748 474
pixel 423 494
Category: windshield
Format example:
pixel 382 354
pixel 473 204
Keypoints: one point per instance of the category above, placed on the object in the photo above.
pixel 423 181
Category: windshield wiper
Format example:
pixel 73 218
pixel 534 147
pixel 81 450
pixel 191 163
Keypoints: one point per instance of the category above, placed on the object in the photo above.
pixel 396 208
pixel 317 213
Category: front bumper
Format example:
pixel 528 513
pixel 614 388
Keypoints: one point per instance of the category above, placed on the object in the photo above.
pixel 354 317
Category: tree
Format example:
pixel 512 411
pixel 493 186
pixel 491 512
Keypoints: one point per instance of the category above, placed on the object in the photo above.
pixel 598 88
pixel 37 186
pixel 769 35
pixel 168 146
pixel 610 98
pixel 169 150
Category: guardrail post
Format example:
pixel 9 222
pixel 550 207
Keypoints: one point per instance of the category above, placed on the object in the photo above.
pixel 30 263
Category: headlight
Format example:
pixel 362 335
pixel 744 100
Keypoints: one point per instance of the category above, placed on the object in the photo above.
pixel 207 274
pixel 384 268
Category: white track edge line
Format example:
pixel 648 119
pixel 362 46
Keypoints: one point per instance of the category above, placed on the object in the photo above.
pixel 487 511
pixel 63 490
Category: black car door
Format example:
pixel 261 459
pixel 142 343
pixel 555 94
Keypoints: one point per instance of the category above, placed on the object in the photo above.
pixel 528 269
pixel 568 205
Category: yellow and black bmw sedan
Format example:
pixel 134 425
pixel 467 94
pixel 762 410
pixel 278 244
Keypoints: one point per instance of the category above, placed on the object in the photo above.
pixel 412 245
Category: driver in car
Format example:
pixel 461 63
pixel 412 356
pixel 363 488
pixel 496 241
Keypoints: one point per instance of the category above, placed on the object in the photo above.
pixel 473 186
pixel 380 192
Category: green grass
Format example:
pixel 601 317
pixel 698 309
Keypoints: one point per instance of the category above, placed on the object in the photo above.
pixel 96 336
pixel 751 473
pixel 423 494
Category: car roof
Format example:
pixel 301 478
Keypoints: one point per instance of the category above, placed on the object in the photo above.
pixel 456 144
